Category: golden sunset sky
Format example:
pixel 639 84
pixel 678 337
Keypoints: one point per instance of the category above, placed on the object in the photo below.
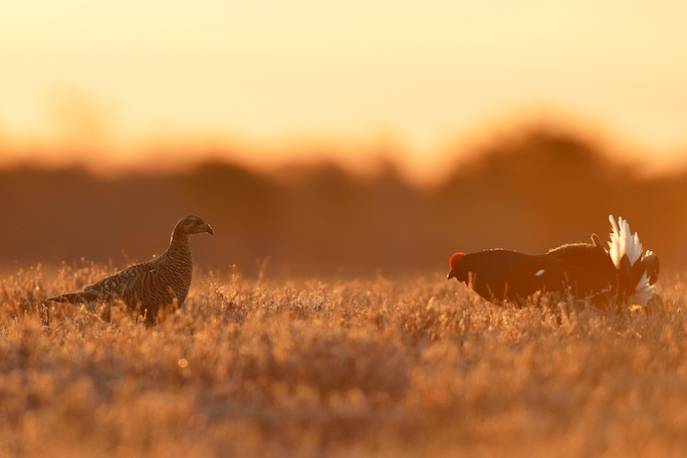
pixel 275 75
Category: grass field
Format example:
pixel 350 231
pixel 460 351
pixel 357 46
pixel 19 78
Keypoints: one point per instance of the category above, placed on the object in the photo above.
pixel 374 367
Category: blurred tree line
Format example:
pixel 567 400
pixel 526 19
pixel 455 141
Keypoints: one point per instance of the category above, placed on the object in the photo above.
pixel 529 193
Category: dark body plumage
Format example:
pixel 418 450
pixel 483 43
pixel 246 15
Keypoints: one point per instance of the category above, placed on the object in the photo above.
pixel 582 270
pixel 499 274
pixel 149 286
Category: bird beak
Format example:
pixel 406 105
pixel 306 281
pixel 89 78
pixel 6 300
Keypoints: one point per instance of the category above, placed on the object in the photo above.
pixel 450 275
pixel 209 229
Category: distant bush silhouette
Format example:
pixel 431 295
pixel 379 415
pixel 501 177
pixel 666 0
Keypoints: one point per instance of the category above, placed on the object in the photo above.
pixel 530 193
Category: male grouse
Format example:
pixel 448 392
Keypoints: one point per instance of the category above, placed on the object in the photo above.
pixel 624 273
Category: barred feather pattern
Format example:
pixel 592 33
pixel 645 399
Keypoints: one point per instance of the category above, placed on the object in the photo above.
pixel 148 286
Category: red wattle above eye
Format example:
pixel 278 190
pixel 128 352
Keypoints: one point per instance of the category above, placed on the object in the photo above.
pixel 453 260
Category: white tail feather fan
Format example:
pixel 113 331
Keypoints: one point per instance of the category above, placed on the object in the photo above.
pixel 624 242
pixel 643 291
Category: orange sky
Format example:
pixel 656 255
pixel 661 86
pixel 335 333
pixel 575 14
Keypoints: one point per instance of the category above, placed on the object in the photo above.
pixel 118 76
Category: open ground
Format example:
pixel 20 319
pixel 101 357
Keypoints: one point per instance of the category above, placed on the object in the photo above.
pixel 371 367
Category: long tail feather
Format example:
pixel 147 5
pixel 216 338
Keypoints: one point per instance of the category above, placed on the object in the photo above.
pixel 643 292
pixel 72 298
pixel 623 242
pixel 637 269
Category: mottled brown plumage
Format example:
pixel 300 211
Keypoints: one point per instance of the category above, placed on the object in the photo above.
pixel 149 286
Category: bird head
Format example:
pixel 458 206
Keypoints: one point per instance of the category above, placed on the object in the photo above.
pixel 455 270
pixel 192 225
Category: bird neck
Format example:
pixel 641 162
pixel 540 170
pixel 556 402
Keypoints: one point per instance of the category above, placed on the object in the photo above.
pixel 178 245
pixel 178 263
